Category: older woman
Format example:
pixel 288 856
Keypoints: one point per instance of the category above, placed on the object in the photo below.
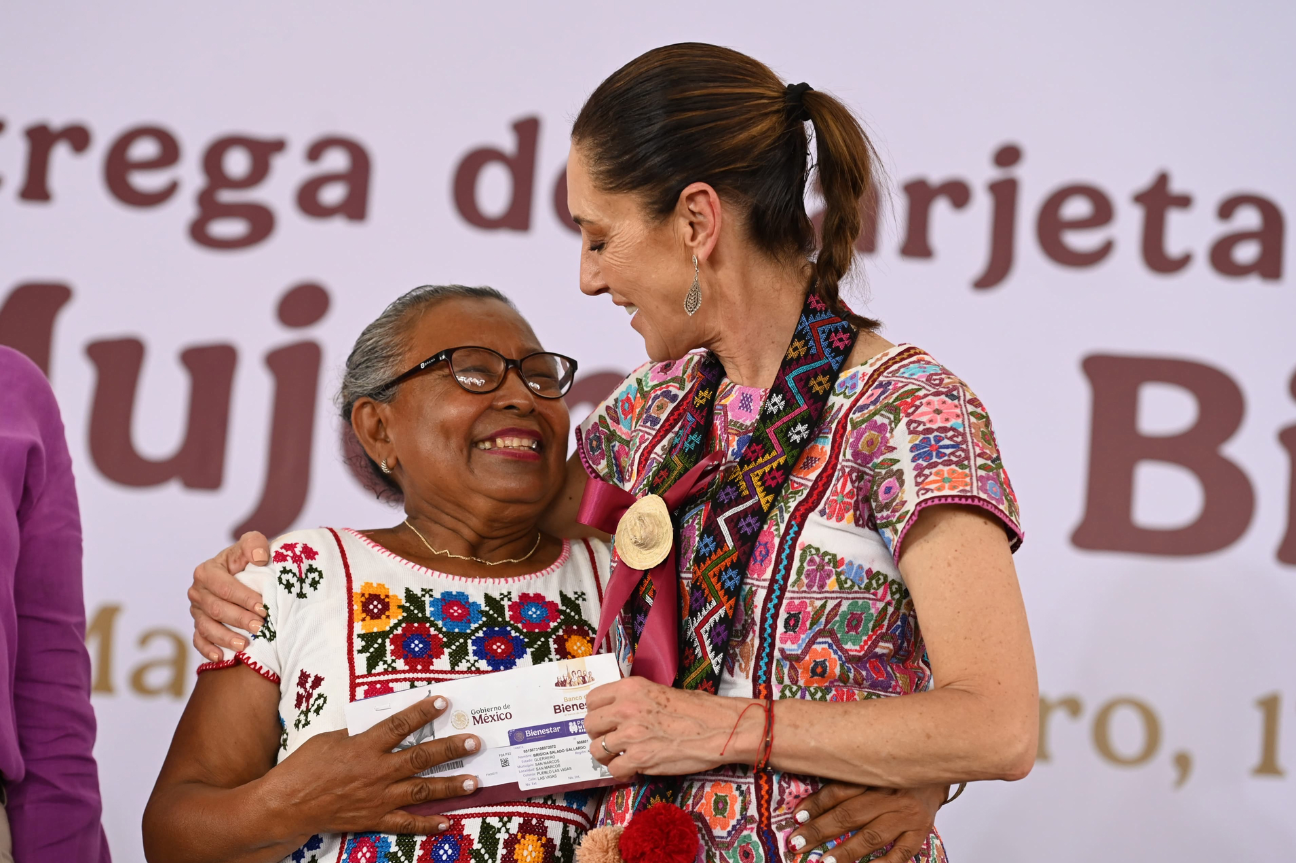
pixel 261 767
pixel 856 545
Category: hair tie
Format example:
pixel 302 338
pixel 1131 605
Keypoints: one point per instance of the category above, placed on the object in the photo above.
pixel 792 96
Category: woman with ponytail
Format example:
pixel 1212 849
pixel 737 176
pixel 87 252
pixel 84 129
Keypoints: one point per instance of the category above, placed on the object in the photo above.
pixel 854 539
pixel 813 595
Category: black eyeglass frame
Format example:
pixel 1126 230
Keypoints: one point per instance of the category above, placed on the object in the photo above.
pixel 444 356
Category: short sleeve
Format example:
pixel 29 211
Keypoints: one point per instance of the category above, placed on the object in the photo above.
pixel 262 651
pixel 921 437
pixel 604 439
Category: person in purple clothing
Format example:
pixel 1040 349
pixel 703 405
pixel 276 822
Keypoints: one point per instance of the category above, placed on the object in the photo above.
pixel 51 805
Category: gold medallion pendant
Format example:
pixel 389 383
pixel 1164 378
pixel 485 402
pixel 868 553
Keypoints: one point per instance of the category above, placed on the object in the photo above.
pixel 644 535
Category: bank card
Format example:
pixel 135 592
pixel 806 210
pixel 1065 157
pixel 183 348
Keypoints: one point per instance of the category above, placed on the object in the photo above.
pixel 531 722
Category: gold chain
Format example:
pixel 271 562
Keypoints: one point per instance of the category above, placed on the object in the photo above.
pixel 539 536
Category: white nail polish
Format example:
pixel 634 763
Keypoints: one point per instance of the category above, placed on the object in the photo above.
pixel 443 826
pixel 828 859
pixel 470 784
pixel 798 842
pixel 803 816
pixel 439 704
pixel 471 744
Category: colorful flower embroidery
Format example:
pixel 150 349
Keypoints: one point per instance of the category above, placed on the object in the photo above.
pixel 417 646
pixel 840 506
pixel 374 607
pixel 819 569
pixel 719 806
pixel 367 848
pixel 455 611
pixel 533 612
pixel 796 621
pixel 933 447
pixel 938 410
pixel 310 701
pixel 573 642
pixel 499 647
pixel 947 480
pixel 298 572
pixel 529 843
pixel 452 846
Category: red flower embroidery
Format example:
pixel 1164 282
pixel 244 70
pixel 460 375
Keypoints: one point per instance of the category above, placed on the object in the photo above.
pixel 533 612
pixel 416 645
pixel 297 571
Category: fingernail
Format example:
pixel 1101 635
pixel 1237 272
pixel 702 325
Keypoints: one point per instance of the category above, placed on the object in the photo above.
pixel 260 608
pixel 803 816
pixel 828 859
pixel 470 784
pixel 239 644
pixel 443 826
pixel 798 842
pixel 440 703
pixel 214 656
pixel 254 625
pixel 471 744
pixel 259 556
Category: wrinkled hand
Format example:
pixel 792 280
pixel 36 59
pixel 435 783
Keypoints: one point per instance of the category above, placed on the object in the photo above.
pixel 636 726
pixel 875 818
pixel 335 783
pixel 216 597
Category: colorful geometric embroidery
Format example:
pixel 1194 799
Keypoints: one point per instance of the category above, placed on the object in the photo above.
pixel 742 498
pixel 428 630
pixel 822 612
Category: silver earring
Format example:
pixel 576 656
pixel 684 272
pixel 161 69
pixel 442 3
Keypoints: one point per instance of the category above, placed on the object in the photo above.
pixel 384 467
pixel 693 301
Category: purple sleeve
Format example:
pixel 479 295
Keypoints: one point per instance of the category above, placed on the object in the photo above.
pixel 53 796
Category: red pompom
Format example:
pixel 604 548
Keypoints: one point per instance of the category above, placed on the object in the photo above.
pixel 662 833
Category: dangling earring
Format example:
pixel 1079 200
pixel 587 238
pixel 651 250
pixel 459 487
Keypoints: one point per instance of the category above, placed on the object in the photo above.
pixel 383 467
pixel 693 301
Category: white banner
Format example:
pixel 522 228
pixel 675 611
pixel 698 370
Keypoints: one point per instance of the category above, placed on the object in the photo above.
pixel 202 206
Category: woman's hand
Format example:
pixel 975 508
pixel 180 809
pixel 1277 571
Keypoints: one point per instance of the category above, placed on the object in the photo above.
pixel 337 783
pixel 637 726
pixel 874 818
pixel 216 597
pixel 221 798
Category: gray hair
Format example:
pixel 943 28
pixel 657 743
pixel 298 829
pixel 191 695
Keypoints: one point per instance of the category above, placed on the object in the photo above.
pixel 379 352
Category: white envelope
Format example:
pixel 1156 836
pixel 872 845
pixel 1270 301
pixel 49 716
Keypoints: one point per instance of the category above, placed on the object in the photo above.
pixel 531 722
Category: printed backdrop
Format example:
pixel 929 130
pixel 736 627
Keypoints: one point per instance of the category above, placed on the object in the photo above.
pixel 200 206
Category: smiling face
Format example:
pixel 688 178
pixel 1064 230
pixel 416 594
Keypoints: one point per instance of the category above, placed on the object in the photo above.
pixel 641 262
pixel 500 455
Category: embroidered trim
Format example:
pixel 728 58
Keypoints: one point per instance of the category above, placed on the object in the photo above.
pixel 598 582
pixel 551 811
pixel 563 556
pixel 246 660
pixel 214 666
pixel 1017 536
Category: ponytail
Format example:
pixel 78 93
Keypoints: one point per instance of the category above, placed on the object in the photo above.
pixel 693 112
pixel 845 160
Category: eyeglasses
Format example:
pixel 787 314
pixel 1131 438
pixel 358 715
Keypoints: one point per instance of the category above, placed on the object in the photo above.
pixel 482 370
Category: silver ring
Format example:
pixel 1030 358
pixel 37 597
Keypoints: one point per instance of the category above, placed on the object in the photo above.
pixel 603 743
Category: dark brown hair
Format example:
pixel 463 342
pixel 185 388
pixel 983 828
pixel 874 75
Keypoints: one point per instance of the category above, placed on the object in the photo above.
pixel 694 112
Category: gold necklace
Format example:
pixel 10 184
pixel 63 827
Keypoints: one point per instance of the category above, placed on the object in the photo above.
pixel 539 536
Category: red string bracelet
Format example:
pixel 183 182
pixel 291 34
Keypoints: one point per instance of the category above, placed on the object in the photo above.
pixel 769 733
pixel 729 739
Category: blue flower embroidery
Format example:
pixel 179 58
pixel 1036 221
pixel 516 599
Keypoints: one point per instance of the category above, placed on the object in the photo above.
pixel 499 647
pixel 455 611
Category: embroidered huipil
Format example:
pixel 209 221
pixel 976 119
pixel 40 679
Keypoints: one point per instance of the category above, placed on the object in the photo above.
pixel 347 619
pixel 823 612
